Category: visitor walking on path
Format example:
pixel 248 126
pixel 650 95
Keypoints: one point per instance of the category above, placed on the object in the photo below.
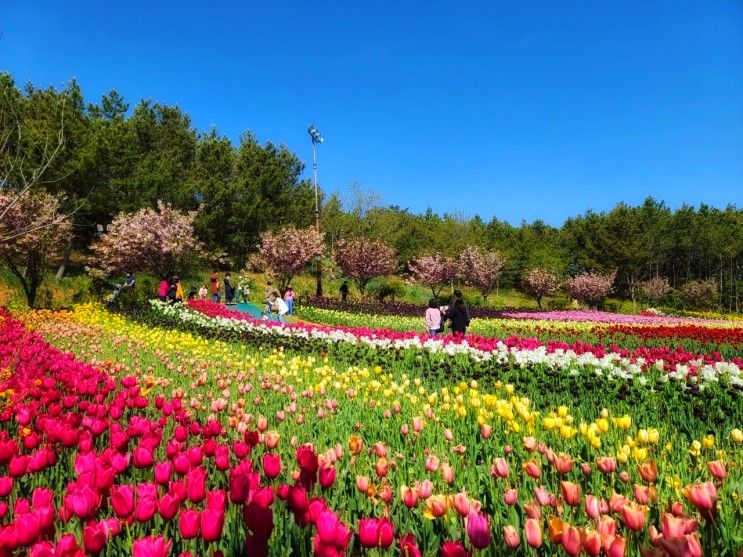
pixel 458 317
pixel 281 308
pixel 289 299
pixel 344 290
pixel 214 280
pixel 433 317
pixel 269 297
pixel 229 291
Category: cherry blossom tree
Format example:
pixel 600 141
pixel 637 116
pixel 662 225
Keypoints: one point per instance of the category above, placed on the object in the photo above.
pixel 590 288
pixel 655 288
pixel 700 293
pixel 157 240
pixel 539 283
pixel 33 231
pixel 287 252
pixel 480 268
pixel 433 271
pixel 363 259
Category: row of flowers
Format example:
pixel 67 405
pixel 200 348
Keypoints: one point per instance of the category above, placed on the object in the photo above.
pixel 394 473
pixel 701 369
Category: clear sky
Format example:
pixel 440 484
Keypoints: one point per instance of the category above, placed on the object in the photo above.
pixel 519 110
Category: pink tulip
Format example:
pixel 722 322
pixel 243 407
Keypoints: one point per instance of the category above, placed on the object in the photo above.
pixel 533 530
pixel 500 468
pixel 511 536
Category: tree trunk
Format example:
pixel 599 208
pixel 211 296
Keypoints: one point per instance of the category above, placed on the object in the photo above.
pixel 65 260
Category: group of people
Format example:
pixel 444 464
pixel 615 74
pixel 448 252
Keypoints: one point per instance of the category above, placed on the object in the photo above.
pixel 458 316
pixel 171 289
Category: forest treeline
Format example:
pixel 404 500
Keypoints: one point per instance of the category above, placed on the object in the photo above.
pixel 119 157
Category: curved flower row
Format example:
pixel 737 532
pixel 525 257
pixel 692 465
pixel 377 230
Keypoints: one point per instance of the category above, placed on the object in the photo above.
pixel 380 477
pixel 520 352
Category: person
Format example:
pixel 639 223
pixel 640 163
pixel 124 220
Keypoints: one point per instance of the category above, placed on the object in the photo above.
pixel 116 293
pixel 192 291
pixel 163 292
pixel 281 307
pixel 433 317
pixel 459 296
pixel 344 290
pixel 229 292
pixel 214 286
pixel 458 317
pixel 178 290
pixel 129 281
pixel 203 292
pixel 172 287
pixel 271 300
pixel 289 299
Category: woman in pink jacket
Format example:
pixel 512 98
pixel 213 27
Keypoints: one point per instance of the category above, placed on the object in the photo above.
pixel 163 293
pixel 433 317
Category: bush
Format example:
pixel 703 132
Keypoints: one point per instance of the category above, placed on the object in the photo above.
pixel 700 293
pixel 384 288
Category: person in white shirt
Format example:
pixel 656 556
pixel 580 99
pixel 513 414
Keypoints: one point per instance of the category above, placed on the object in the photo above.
pixel 281 307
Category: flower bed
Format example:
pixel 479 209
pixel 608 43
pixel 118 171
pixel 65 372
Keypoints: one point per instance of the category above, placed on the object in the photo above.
pixel 204 443
pixel 524 352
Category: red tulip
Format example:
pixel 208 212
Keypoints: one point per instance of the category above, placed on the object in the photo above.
pixel 571 541
pixel 151 547
pixel 298 501
pixel 703 496
pixel 327 477
pixel 81 501
pixel 212 523
pixel 168 506
pixel 18 465
pixel 256 547
pixel 163 472
pixel 592 542
pixel 27 527
pixel 189 521
pixel 409 496
pixel 478 529
pixel 386 532
pixel 327 523
pixel 454 549
pixel 408 547
pixel 6 486
pixel 95 536
pixel 143 457
pixel 259 520
pixel 616 547
pixel 196 485
pixel 369 532
pixel 307 459
pixel 271 465
pixel 122 500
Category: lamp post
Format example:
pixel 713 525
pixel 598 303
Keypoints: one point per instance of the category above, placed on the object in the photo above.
pixel 316 140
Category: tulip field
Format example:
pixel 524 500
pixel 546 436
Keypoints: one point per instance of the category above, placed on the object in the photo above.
pixel 197 430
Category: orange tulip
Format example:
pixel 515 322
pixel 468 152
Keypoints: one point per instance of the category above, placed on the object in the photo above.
pixel 382 467
pixel 563 463
pixel 570 493
pixel 380 449
pixel 634 516
pixel 436 506
pixel 532 468
pixel 648 471
pixel 592 542
pixel 355 444
pixel 555 528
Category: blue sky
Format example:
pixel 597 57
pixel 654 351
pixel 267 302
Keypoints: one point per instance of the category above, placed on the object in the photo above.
pixel 519 110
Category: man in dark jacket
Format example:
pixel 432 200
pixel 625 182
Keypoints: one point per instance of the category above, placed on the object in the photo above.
pixel 458 317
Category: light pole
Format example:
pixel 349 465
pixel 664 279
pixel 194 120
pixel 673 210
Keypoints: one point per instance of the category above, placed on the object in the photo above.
pixel 316 140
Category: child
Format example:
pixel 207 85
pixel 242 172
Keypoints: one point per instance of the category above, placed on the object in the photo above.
pixel 203 292
pixel 281 308
pixel 433 318
pixel 289 299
